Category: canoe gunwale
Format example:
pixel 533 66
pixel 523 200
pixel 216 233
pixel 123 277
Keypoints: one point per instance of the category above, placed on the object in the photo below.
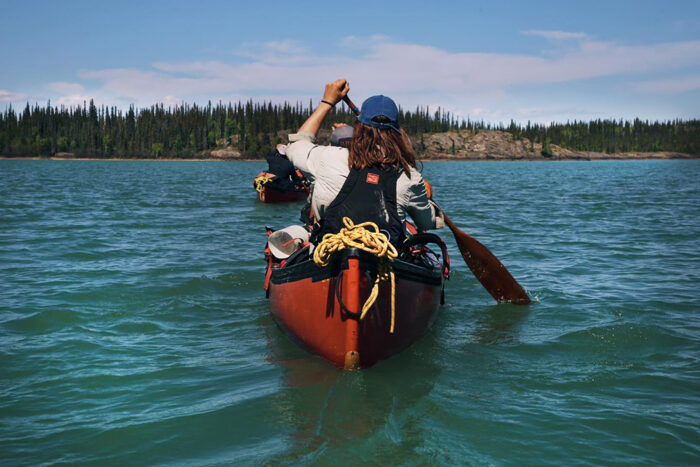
pixel 368 262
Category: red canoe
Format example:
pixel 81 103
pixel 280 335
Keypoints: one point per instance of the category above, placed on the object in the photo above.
pixel 270 192
pixel 319 307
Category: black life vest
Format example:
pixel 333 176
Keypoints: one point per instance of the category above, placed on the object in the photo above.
pixel 282 168
pixel 368 195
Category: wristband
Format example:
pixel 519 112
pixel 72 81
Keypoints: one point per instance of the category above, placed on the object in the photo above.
pixel 326 102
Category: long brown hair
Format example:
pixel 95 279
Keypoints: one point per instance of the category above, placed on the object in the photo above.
pixel 382 148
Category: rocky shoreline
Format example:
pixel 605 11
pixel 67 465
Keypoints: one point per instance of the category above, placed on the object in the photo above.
pixel 500 145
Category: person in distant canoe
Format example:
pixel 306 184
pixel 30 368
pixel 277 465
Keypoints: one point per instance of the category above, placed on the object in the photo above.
pixel 376 179
pixel 286 176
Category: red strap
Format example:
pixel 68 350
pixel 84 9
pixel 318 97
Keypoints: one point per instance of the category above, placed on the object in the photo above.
pixel 268 273
pixel 268 257
pixel 411 228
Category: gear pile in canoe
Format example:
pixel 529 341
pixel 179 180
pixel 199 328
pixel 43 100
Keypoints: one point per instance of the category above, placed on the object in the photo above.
pixel 268 190
pixel 354 299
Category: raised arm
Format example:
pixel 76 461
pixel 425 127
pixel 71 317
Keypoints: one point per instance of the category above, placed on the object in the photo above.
pixel 333 94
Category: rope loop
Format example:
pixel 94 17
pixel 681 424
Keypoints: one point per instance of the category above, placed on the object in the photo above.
pixel 366 237
pixel 261 180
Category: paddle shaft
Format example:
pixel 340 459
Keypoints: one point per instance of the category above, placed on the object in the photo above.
pixel 352 106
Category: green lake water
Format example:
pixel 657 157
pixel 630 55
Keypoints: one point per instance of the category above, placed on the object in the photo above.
pixel 134 328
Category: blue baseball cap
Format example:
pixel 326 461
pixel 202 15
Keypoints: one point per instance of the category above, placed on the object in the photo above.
pixel 377 106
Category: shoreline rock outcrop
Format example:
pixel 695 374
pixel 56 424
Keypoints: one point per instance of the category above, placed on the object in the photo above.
pixel 458 145
pixel 501 145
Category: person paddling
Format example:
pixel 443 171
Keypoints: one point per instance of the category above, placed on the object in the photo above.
pixel 376 179
pixel 341 136
pixel 286 176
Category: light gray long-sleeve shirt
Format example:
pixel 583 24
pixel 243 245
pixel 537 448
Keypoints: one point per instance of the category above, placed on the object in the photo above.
pixel 329 167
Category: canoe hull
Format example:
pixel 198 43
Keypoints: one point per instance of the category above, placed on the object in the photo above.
pixel 270 194
pixel 308 309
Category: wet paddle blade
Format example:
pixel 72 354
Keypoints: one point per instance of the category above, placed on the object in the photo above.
pixel 487 268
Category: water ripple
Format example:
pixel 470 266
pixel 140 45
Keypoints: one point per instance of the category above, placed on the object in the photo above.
pixel 134 325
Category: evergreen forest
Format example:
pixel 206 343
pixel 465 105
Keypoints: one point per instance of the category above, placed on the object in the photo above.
pixel 253 129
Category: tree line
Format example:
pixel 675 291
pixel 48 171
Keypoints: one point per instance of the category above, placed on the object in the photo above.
pixel 254 128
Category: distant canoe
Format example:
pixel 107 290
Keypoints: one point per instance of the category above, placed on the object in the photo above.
pixel 319 307
pixel 270 192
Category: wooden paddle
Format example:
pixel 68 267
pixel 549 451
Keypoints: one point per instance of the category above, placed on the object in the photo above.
pixel 486 267
pixel 352 106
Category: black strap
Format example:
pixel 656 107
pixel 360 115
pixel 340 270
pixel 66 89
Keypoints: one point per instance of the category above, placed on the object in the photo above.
pixel 339 293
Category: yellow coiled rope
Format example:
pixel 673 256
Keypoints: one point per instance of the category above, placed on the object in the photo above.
pixel 374 242
pixel 261 180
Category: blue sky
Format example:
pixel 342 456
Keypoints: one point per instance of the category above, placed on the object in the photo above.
pixel 496 61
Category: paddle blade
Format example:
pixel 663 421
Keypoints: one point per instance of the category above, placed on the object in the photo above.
pixel 487 268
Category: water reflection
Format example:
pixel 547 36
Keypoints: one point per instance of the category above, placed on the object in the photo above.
pixel 500 324
pixel 325 409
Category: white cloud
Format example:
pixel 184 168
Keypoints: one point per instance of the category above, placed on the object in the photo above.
pixel 413 74
pixel 172 101
pixel 670 86
pixel 286 51
pixel 354 42
pixel 554 35
pixel 73 100
pixel 66 88
pixel 7 96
